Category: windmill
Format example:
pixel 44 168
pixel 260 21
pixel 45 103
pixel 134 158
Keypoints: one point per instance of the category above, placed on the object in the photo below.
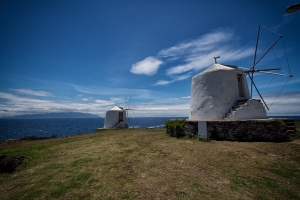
pixel 250 72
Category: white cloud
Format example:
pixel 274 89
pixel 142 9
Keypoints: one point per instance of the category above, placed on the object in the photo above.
pixel 187 97
pixel 285 104
pixel 194 55
pixel 163 82
pixel 148 66
pixel 16 105
pixel 201 59
pixel 279 83
pixel 33 92
pixel 205 43
pixel 182 77
pixel 117 100
pixel 162 110
pixel 12 105
pixel 174 79
pixel 117 94
pixel 104 102
pixel 286 19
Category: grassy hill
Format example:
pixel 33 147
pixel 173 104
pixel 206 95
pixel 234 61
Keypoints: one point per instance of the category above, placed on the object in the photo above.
pixel 148 164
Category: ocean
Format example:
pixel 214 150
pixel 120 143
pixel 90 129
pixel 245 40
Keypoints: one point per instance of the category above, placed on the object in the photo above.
pixel 61 127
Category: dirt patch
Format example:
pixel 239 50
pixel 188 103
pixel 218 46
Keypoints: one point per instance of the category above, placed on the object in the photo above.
pixel 296 142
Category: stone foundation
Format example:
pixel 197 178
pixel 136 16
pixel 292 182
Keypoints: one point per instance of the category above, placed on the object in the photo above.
pixel 277 130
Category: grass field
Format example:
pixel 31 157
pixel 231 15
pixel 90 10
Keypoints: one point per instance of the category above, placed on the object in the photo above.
pixel 148 164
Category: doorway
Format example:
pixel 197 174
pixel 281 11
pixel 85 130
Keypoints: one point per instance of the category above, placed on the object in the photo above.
pixel 120 116
pixel 240 85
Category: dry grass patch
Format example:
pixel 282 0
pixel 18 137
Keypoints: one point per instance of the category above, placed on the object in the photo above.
pixel 147 164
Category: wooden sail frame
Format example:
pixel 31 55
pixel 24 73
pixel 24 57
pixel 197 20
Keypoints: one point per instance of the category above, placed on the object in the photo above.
pixel 250 72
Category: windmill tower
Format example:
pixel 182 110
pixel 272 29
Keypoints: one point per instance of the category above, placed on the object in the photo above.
pixel 117 117
pixel 217 89
pixel 221 92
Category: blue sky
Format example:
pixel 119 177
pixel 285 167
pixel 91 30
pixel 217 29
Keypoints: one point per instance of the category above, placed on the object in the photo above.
pixel 87 56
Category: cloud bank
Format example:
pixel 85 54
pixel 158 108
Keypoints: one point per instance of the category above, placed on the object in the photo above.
pixel 12 105
pixel 286 104
pixel 16 103
pixel 33 92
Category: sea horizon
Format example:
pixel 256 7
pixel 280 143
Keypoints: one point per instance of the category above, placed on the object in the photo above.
pixel 15 128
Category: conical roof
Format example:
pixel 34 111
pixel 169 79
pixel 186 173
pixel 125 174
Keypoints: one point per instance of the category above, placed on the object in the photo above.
pixel 116 108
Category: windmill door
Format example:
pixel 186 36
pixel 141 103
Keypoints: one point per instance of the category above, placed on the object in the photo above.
pixel 120 116
pixel 240 85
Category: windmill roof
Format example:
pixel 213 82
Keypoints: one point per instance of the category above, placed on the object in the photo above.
pixel 116 108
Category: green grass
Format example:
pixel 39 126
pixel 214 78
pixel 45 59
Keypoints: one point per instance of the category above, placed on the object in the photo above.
pixel 148 164
pixel 297 135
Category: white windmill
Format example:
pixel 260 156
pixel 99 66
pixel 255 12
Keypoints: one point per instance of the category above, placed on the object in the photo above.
pixel 221 91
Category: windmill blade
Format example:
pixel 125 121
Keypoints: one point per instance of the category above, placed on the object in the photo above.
pixel 131 112
pixel 127 108
pixel 266 52
pixel 132 116
pixel 255 62
pixel 129 102
pixel 256 46
pixel 259 70
pixel 264 72
pixel 125 102
pixel 270 69
pixel 257 91
pixel 127 117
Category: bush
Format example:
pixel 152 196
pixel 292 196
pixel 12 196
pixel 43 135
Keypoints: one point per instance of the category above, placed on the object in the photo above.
pixel 175 128
pixel 33 137
pixel 281 122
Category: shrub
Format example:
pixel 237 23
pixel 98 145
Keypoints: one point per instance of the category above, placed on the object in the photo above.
pixel 175 128
pixel 33 137
pixel 281 122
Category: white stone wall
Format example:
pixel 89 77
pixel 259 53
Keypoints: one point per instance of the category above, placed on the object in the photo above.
pixel 214 92
pixel 112 118
pixel 253 109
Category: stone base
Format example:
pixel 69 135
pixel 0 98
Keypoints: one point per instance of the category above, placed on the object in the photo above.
pixel 277 130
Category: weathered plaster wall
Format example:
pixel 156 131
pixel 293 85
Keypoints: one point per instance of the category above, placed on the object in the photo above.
pixel 215 91
pixel 253 109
